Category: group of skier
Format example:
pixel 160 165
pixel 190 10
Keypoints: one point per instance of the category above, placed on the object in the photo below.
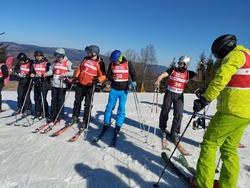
pixel 231 86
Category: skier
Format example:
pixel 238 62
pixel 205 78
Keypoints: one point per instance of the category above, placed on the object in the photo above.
pixel 178 79
pixel 231 86
pixel 87 75
pixel 3 72
pixel 22 70
pixel 61 69
pixel 41 84
pixel 118 74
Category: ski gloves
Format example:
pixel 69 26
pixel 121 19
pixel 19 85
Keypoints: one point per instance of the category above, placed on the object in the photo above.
pixel 132 84
pixel 200 103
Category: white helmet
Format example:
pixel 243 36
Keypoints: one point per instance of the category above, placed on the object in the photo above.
pixel 60 51
pixel 185 59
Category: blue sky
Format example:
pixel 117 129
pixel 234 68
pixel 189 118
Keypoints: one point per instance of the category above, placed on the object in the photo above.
pixel 174 27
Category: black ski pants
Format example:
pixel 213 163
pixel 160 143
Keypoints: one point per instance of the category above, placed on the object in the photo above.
pixel 22 90
pixel 80 93
pixel 178 102
pixel 40 89
pixel 58 98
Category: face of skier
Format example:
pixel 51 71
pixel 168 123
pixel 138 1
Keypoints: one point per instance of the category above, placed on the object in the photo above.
pixel 59 57
pixel 182 66
pixel 39 57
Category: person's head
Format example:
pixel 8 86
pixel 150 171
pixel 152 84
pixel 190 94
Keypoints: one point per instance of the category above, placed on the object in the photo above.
pixel 223 45
pixel 116 57
pixel 38 54
pixel 92 51
pixel 3 55
pixel 22 58
pixel 183 62
pixel 59 54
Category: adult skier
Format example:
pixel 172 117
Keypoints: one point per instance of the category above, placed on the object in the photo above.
pixel 61 69
pixel 3 72
pixel 118 74
pixel 22 70
pixel 87 75
pixel 231 86
pixel 41 84
pixel 178 78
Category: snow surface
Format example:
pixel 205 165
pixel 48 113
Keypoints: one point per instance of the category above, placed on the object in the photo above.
pixel 38 160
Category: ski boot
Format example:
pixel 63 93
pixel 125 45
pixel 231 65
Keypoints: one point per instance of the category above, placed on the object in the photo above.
pixel 74 120
pixel 114 139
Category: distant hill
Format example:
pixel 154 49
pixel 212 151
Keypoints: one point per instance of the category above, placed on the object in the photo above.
pixel 76 57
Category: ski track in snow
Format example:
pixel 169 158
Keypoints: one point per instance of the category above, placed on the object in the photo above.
pixel 37 160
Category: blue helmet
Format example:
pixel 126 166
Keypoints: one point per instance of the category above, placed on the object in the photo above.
pixel 116 56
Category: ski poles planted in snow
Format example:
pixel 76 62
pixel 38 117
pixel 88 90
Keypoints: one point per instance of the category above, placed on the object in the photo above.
pixel 138 109
pixel 154 110
pixel 169 160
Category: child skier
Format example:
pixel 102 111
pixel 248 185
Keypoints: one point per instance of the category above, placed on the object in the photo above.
pixel 60 69
pixel 118 74
pixel 87 74
pixel 41 84
pixel 22 70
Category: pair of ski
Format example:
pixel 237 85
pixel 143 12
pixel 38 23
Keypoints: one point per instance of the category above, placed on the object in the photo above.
pixel 46 127
pixel 180 147
pixel 187 179
pixel 66 127
pixel 100 136
pixel 16 120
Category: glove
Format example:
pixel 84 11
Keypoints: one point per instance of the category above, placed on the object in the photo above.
pixel 95 80
pixel 199 104
pixel 133 84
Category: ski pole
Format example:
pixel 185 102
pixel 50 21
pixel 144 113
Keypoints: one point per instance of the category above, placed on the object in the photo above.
pixel 152 110
pixel 138 110
pixel 42 94
pixel 156 110
pixel 26 95
pixel 169 160
pixel 217 167
pixel 89 115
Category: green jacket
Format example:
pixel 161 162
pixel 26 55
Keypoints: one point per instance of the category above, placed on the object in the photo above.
pixel 230 101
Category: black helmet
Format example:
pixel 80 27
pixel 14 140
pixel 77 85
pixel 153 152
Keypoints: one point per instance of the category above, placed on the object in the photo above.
pixel 95 50
pixel 223 45
pixel 38 53
pixel 22 57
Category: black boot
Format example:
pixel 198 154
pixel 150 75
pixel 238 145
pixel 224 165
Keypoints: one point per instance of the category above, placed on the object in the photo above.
pixel 114 139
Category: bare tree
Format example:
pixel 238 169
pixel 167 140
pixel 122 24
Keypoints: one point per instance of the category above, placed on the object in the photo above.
pixel 148 57
pixel 131 55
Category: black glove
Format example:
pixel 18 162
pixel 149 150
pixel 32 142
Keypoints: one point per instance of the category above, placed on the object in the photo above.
pixel 199 104
pixel 95 80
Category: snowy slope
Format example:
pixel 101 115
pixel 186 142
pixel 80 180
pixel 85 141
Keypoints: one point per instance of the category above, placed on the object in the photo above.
pixel 37 160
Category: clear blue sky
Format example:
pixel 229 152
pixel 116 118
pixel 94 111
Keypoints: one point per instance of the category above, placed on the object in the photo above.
pixel 174 27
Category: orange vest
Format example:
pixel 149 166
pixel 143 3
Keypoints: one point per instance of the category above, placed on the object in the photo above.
pixel 60 69
pixel 1 74
pixel 25 68
pixel 88 70
pixel 241 79
pixel 40 68
pixel 120 72
pixel 178 81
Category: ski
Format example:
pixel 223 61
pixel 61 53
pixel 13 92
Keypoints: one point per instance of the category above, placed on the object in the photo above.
pixel 184 177
pixel 165 144
pixel 50 126
pixel 113 142
pixel 34 121
pixel 62 130
pixel 101 134
pixel 16 120
pixel 76 136
pixel 187 179
pixel 43 126
pixel 182 150
pixel 183 161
